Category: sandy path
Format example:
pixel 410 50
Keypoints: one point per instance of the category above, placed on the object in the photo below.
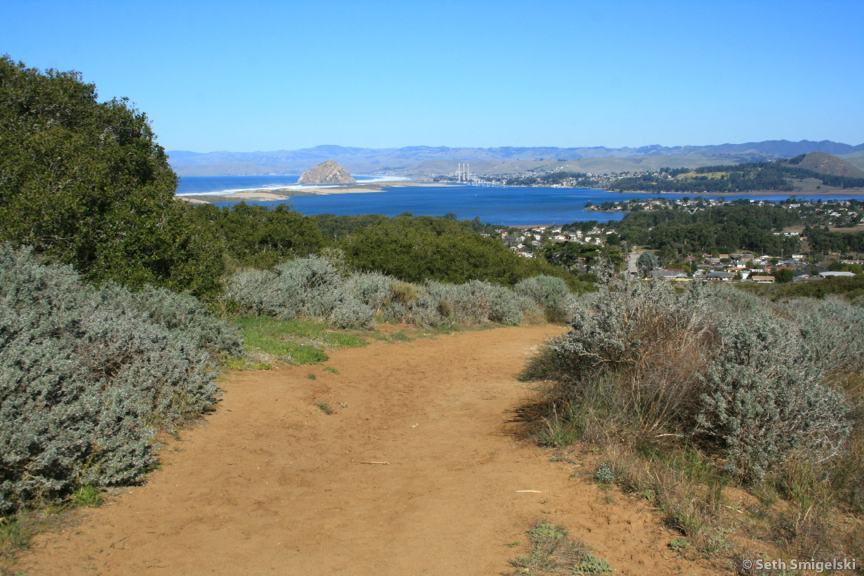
pixel 269 484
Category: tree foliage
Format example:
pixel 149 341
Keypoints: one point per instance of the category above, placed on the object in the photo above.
pixel 85 183
pixel 257 236
pixel 727 228
pixel 416 249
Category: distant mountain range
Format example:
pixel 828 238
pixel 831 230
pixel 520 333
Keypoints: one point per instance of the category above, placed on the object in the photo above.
pixel 422 161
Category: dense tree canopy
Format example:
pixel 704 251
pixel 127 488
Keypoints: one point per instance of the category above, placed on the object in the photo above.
pixel 737 226
pixel 822 240
pixel 259 237
pixel 85 183
pixel 422 248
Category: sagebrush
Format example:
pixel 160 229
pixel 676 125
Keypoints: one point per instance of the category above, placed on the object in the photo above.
pixel 745 379
pixel 314 287
pixel 89 374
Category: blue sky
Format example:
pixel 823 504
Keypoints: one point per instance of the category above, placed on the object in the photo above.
pixel 284 75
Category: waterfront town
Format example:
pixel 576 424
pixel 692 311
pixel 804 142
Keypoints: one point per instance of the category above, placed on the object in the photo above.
pixel 591 241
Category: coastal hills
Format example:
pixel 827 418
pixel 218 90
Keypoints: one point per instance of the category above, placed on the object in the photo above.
pixel 434 160
pixel 827 164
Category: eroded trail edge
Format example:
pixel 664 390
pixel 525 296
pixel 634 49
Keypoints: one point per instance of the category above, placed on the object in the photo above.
pixel 417 471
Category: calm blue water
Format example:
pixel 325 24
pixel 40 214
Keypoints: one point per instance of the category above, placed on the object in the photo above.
pixel 512 206
pixel 202 184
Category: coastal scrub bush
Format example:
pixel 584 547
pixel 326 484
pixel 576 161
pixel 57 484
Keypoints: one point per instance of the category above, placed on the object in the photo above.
pixel 182 312
pixel 711 366
pixel 313 287
pixel 414 304
pixel 89 374
pixel 370 288
pixel 308 287
pixel 550 293
pixel 763 398
pixel 478 302
pixel 831 330
pixel 255 291
pixel 350 312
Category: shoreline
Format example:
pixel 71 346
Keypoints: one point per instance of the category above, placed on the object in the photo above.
pixel 286 192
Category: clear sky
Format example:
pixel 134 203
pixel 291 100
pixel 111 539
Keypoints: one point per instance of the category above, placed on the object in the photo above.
pixel 282 75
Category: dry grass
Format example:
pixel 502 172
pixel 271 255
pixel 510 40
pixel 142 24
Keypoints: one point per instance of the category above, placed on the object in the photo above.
pixel 802 510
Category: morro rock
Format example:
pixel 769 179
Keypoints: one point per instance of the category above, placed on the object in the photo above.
pixel 326 174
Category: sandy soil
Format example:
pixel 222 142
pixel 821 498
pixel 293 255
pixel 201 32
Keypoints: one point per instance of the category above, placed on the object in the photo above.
pixel 277 194
pixel 418 472
pixel 284 193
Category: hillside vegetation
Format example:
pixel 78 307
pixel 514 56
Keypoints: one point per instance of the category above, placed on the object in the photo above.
pixel 727 228
pixel 684 393
pixel 823 163
pixel 779 175
pixel 116 299
pixel 86 184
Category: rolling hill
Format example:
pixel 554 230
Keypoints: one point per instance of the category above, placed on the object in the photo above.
pixel 434 160
pixel 827 164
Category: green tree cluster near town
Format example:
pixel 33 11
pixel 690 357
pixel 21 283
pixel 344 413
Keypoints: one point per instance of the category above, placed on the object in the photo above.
pixel 727 228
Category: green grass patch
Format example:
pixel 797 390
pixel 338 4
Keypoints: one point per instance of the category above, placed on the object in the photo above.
pixel 15 535
pixel 293 341
pixel 553 552
pixel 89 496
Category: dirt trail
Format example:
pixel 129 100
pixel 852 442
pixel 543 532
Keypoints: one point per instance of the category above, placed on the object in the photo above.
pixel 270 484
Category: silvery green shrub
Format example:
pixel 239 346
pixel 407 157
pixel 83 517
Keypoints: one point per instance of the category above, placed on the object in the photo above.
pixel 302 287
pixel 477 302
pixel 370 288
pixel 551 294
pixel 351 312
pixel 711 364
pixel 763 397
pixel 312 285
pixel 88 375
pixel 612 327
pixel 184 312
pixel 832 331
pixel 413 304
pixel 256 291
pixel 314 288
